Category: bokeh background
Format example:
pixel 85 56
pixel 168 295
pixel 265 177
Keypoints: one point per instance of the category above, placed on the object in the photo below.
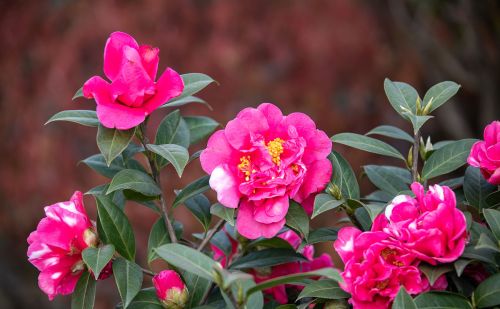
pixel 326 58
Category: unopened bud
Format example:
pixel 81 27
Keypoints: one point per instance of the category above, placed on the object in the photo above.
pixel 427 107
pixel 334 191
pixel 170 289
pixel 409 158
pixel 419 106
pixel 217 274
pixel 90 237
pixel 336 304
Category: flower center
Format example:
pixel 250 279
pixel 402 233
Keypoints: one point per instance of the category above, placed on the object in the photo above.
pixel 275 148
pixel 388 253
pixel 382 284
pixel 244 167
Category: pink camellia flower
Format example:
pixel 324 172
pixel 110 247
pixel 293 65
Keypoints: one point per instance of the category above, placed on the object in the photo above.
pixel 375 268
pixel 55 247
pixel 279 292
pixel 133 93
pixel 429 225
pixel 261 160
pixel 170 289
pixel 486 154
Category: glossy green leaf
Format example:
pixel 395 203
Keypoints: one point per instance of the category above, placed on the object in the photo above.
pixel 324 202
pixel 196 187
pixel 487 293
pixel 391 131
pixel 145 299
pixel 440 94
pixel 200 127
pixel 78 94
pixel 177 102
pixel 374 209
pixel 266 258
pixel 199 206
pixel 223 212
pixel 297 219
pixel 403 300
pixel 97 258
pixel 194 83
pixel 416 120
pixel 460 265
pixel 325 289
pixel 159 236
pixel 117 197
pixel 363 217
pixel 453 182
pixel 434 272
pixel 83 296
pixel 83 117
pixel 134 180
pixel 476 188
pixel 175 154
pixel 114 228
pixel 197 287
pixel 442 300
pixel 492 217
pixel 368 144
pixel 128 278
pixel 322 234
pixel 187 259
pixel 402 96
pixel 274 242
pixel 447 159
pixel 343 176
pixel 493 200
pixel 112 142
pixel 173 130
pixel 98 164
pixel 389 178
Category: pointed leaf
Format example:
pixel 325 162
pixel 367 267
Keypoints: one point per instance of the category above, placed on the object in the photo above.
pixel 416 120
pixel 476 188
pixel 402 96
pixel 486 294
pixel 197 287
pixel 324 202
pixel 447 159
pixel 492 216
pixel 83 117
pixel 199 206
pixel 175 102
pixel 97 258
pixel 194 83
pixel 367 144
pixel 440 94
pixel 173 130
pixel 403 300
pixel 390 131
pixel 78 94
pixel 325 289
pixel 159 236
pixel 145 299
pixel 98 164
pixel 297 219
pixel 112 142
pixel 175 154
pixel 200 127
pixel 134 180
pixel 196 187
pixel 442 300
pixel 266 258
pixel 84 295
pixel 389 178
pixel 223 212
pixel 343 176
pixel 434 272
pixel 128 278
pixel 322 234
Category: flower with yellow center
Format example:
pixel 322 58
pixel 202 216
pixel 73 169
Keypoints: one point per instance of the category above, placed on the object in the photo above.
pixel 275 149
pixel 244 166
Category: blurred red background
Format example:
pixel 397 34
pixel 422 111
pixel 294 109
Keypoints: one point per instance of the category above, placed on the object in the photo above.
pixel 324 58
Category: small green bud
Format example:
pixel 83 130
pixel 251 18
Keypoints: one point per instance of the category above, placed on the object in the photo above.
pixel 90 237
pixel 427 107
pixel 334 191
pixel 419 106
pixel 409 158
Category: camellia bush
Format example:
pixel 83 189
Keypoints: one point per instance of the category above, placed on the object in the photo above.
pixel 421 240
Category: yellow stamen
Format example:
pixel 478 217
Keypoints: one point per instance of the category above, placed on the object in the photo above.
pixel 382 284
pixel 275 148
pixel 244 166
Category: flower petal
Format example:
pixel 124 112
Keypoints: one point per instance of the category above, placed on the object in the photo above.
pixel 249 228
pixel 225 184
pixel 113 52
pixel 168 86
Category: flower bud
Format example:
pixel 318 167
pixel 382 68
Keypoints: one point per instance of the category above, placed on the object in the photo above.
pixel 334 191
pixel 170 289
pixel 90 237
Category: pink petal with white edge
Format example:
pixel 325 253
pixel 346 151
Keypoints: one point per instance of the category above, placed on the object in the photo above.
pixel 225 184
pixel 168 86
pixel 248 125
pixel 316 178
pixel 249 228
pixel 271 210
pixel 113 52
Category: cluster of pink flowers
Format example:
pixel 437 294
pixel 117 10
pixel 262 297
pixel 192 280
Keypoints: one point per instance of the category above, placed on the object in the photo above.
pixel 486 154
pixel 261 160
pixel 55 248
pixel 426 228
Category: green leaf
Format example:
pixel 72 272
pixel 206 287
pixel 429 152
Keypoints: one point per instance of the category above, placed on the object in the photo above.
pixel 343 176
pixel 440 94
pixel 83 117
pixel 199 206
pixel 441 300
pixel 390 179
pixel 128 278
pixel 485 242
pixel 223 212
pixel 97 258
pixel 390 131
pixel 374 209
pixel 187 259
pixel 112 142
pixel 476 188
pixel 297 219
pixel 114 228
pixel 460 265
pixel 486 294
pixel 403 300
pixel 266 258
pixel 492 216
pixel 98 164
pixel 434 272
pixel 322 234
pixel 84 295
pixel 175 154
pixel 367 144
pixel 447 159
pixel 325 289
pixel 363 218
pixel 173 130
pixel 159 236
pixel 416 121
pixel 196 187
pixel 256 300
pixel 197 287
pixel 330 273
pixel 200 127
pixel 274 242
pixel 402 96
pixel 493 200
pixel 78 94
pixel 145 299
pixel 453 182
pixel 134 180
pixel 175 102
pixel 324 202
pixel 117 197
pixel 194 83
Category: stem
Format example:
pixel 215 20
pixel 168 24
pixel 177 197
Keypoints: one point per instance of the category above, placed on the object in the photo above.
pixel 414 165
pixel 157 178
pixel 210 234
pixel 148 272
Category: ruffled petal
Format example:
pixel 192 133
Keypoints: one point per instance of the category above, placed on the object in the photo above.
pixel 316 178
pixel 168 86
pixel 218 152
pixel 249 228
pixel 249 125
pixel 225 184
pixel 113 52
